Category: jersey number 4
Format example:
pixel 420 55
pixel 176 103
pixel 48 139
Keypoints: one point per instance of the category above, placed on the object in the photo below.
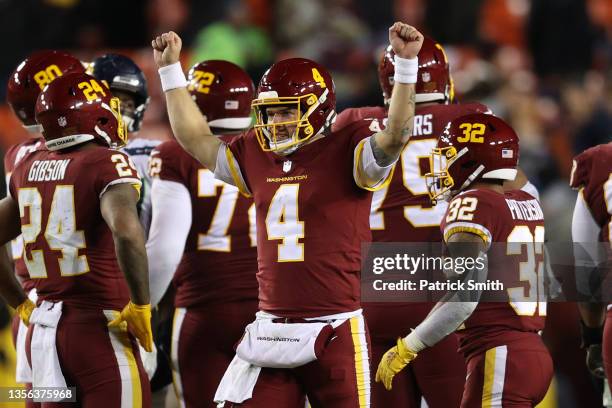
pixel 282 223
pixel 60 232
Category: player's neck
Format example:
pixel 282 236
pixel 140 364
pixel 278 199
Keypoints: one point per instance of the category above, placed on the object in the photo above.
pixel 483 185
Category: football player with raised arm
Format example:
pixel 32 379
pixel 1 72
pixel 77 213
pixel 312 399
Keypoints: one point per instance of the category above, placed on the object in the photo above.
pixel 203 238
pixel 402 212
pixel 75 204
pixel 507 362
pixel 311 189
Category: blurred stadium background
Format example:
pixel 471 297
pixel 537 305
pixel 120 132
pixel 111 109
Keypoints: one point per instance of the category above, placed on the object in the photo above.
pixel 543 65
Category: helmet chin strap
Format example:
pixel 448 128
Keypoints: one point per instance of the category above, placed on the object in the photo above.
pixel 67 141
pixel 472 177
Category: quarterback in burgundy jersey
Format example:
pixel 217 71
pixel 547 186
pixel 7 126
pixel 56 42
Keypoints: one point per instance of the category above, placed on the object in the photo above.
pixel 591 176
pixel 24 86
pixel 82 194
pixel 203 236
pixel 402 212
pixel 507 363
pixel 311 192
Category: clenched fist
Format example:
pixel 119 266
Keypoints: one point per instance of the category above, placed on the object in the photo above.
pixel 166 48
pixel 405 40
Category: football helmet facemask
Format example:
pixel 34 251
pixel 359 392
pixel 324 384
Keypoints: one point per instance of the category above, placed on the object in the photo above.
pixel 303 87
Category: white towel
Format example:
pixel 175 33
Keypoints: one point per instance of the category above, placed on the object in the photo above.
pixel 23 372
pixel 149 360
pixel 46 369
pixel 241 376
pixel 279 345
pixel 237 383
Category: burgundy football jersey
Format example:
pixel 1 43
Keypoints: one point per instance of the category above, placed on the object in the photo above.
pixel 514 222
pixel 12 157
pixel 68 248
pixel 592 172
pixel 402 211
pixel 311 220
pixel 219 263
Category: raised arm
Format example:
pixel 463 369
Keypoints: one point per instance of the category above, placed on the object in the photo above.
pixel 389 143
pixel 118 207
pixel 188 124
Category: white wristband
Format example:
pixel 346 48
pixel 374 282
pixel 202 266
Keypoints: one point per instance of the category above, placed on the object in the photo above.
pixel 172 77
pixel 406 70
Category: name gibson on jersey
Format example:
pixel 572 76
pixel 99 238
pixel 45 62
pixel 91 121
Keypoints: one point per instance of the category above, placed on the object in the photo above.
pixel 48 170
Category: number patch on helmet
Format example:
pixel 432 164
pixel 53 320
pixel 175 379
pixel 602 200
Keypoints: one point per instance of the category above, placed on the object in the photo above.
pixel 44 77
pixel 91 89
pixel 201 81
pixel 316 75
pixel 472 132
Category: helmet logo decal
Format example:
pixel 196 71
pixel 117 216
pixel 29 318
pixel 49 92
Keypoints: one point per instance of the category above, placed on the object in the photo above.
pixel 231 105
pixel 62 121
pixel 287 166
pixel 201 81
pixel 507 153
pixel 472 132
pixel 316 75
pixel 91 89
pixel 45 76
pixel 426 76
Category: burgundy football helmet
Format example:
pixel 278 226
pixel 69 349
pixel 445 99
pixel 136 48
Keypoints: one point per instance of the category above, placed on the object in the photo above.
pixel 434 82
pixel 31 76
pixel 78 108
pixel 471 148
pixel 223 91
pixel 300 84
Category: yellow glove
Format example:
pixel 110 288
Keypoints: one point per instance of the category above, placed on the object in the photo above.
pixel 392 362
pixel 25 310
pixel 138 319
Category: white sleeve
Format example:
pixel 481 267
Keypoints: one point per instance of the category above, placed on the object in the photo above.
pixel 585 231
pixel 367 173
pixel 449 313
pixel 444 320
pixel 228 170
pixel 170 226
pixel 145 206
pixel 529 188
pixel 588 253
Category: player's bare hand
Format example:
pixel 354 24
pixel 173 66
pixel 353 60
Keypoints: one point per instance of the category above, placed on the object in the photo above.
pixel 166 48
pixel 405 40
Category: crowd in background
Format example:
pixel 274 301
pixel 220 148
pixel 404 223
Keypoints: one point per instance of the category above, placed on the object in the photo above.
pixel 543 65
